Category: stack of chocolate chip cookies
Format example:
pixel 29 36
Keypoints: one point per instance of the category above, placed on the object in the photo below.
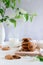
pixel 25 42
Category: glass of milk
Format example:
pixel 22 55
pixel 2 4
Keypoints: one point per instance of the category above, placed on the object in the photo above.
pixel 14 42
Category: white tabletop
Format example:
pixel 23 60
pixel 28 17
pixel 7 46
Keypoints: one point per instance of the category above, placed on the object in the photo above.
pixel 23 61
pixel 19 62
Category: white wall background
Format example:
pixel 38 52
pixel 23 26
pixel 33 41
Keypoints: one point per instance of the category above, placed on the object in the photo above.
pixel 28 29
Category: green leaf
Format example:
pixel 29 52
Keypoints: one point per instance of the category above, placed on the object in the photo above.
pixel 40 58
pixel 19 1
pixel 26 16
pixel 34 14
pixel 4 1
pixel 13 21
pixel 13 4
pixel 1 20
pixel 1 11
pixel 5 18
pixel 17 16
pixel 31 18
pixel 12 7
pixel 7 3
